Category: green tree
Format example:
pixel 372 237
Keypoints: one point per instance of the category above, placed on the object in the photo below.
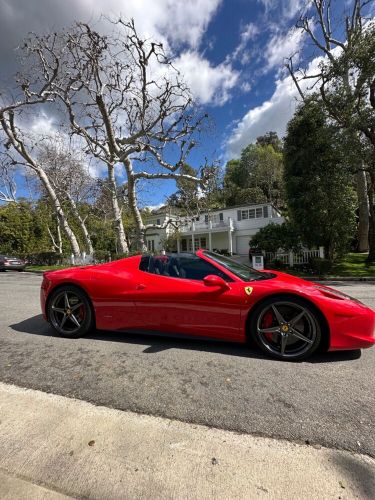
pixel 321 199
pixel 345 78
pixel 257 177
pixel 23 228
pixel 273 237
pixel 270 139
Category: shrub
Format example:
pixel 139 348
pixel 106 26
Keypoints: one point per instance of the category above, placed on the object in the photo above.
pixel 118 256
pixel 276 264
pixel 43 258
pixel 320 266
pixel 102 256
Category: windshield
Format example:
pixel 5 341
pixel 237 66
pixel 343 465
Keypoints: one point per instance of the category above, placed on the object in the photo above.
pixel 242 271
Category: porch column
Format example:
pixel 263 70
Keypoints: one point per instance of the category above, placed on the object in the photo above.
pixel 178 245
pixel 230 246
pixel 192 236
pixel 210 241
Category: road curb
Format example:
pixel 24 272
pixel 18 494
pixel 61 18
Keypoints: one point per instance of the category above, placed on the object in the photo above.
pixel 342 278
pixel 16 488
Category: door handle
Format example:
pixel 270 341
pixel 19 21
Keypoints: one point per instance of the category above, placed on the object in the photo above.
pixel 140 286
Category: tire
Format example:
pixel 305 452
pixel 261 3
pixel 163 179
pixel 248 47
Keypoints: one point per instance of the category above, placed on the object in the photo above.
pixel 286 328
pixel 70 312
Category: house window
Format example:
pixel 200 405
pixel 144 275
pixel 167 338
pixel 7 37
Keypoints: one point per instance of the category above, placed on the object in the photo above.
pixel 198 243
pixel 158 222
pixel 215 218
pixel 251 213
pixel 184 245
pixel 151 245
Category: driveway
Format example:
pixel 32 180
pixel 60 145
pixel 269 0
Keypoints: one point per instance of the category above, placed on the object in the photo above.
pixel 328 400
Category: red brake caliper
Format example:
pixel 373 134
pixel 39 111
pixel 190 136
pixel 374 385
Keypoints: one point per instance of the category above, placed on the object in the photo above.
pixel 267 323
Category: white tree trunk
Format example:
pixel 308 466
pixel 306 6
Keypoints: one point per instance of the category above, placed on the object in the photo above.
pixel 140 243
pixel 363 212
pixel 59 211
pixel 57 245
pixel 82 224
pixel 119 225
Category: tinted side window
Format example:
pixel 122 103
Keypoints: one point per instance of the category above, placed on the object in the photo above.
pixel 144 264
pixel 187 266
pixel 194 268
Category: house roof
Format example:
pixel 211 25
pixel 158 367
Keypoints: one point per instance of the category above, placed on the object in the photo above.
pixel 168 210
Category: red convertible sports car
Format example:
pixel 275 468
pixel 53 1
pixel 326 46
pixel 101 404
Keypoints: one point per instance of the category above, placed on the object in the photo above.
pixel 206 295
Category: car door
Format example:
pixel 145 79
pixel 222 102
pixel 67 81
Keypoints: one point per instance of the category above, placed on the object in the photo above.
pixel 175 300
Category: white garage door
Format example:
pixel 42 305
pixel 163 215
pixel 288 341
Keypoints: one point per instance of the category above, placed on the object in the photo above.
pixel 243 245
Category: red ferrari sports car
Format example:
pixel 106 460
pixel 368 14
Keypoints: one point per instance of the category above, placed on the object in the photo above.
pixel 207 295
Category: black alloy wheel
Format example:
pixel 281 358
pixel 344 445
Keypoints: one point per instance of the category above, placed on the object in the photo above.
pixel 70 312
pixel 286 328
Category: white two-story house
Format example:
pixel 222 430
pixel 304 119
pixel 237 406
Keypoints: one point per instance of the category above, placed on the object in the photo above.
pixel 229 229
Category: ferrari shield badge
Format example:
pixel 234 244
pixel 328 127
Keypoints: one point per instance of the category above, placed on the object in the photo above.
pixel 248 290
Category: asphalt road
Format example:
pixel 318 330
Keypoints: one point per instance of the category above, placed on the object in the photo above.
pixel 329 400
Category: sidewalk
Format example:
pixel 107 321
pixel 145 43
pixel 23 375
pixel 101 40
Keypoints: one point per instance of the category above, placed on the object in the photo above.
pixel 51 445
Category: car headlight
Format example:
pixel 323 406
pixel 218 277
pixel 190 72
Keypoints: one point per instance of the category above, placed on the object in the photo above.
pixel 335 294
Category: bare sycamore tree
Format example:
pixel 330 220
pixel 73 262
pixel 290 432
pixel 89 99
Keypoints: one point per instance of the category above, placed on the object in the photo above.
pixel 22 148
pixel 69 177
pixel 124 98
pixel 8 187
pixel 345 83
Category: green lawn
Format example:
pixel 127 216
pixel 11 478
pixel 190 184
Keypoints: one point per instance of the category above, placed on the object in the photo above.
pixel 353 264
pixel 46 268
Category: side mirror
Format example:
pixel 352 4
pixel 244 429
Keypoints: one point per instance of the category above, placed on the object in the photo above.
pixel 215 281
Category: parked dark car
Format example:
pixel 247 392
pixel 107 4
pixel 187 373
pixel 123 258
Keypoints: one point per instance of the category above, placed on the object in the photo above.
pixel 12 263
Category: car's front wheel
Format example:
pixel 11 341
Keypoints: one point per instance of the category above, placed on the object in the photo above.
pixel 286 328
pixel 70 312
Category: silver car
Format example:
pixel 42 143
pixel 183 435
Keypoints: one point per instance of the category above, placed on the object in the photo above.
pixel 11 263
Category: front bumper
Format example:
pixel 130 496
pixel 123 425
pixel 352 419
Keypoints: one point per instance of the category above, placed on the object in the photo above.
pixel 353 332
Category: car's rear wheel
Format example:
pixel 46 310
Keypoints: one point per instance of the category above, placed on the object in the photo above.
pixel 70 312
pixel 286 328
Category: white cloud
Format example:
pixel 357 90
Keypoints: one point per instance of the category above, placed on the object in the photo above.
pixel 249 32
pixel 272 114
pixel 246 87
pixel 178 24
pixel 287 9
pixel 281 46
pixel 177 21
pixel 210 84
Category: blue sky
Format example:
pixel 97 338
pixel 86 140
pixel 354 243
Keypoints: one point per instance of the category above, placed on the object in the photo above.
pixel 230 52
